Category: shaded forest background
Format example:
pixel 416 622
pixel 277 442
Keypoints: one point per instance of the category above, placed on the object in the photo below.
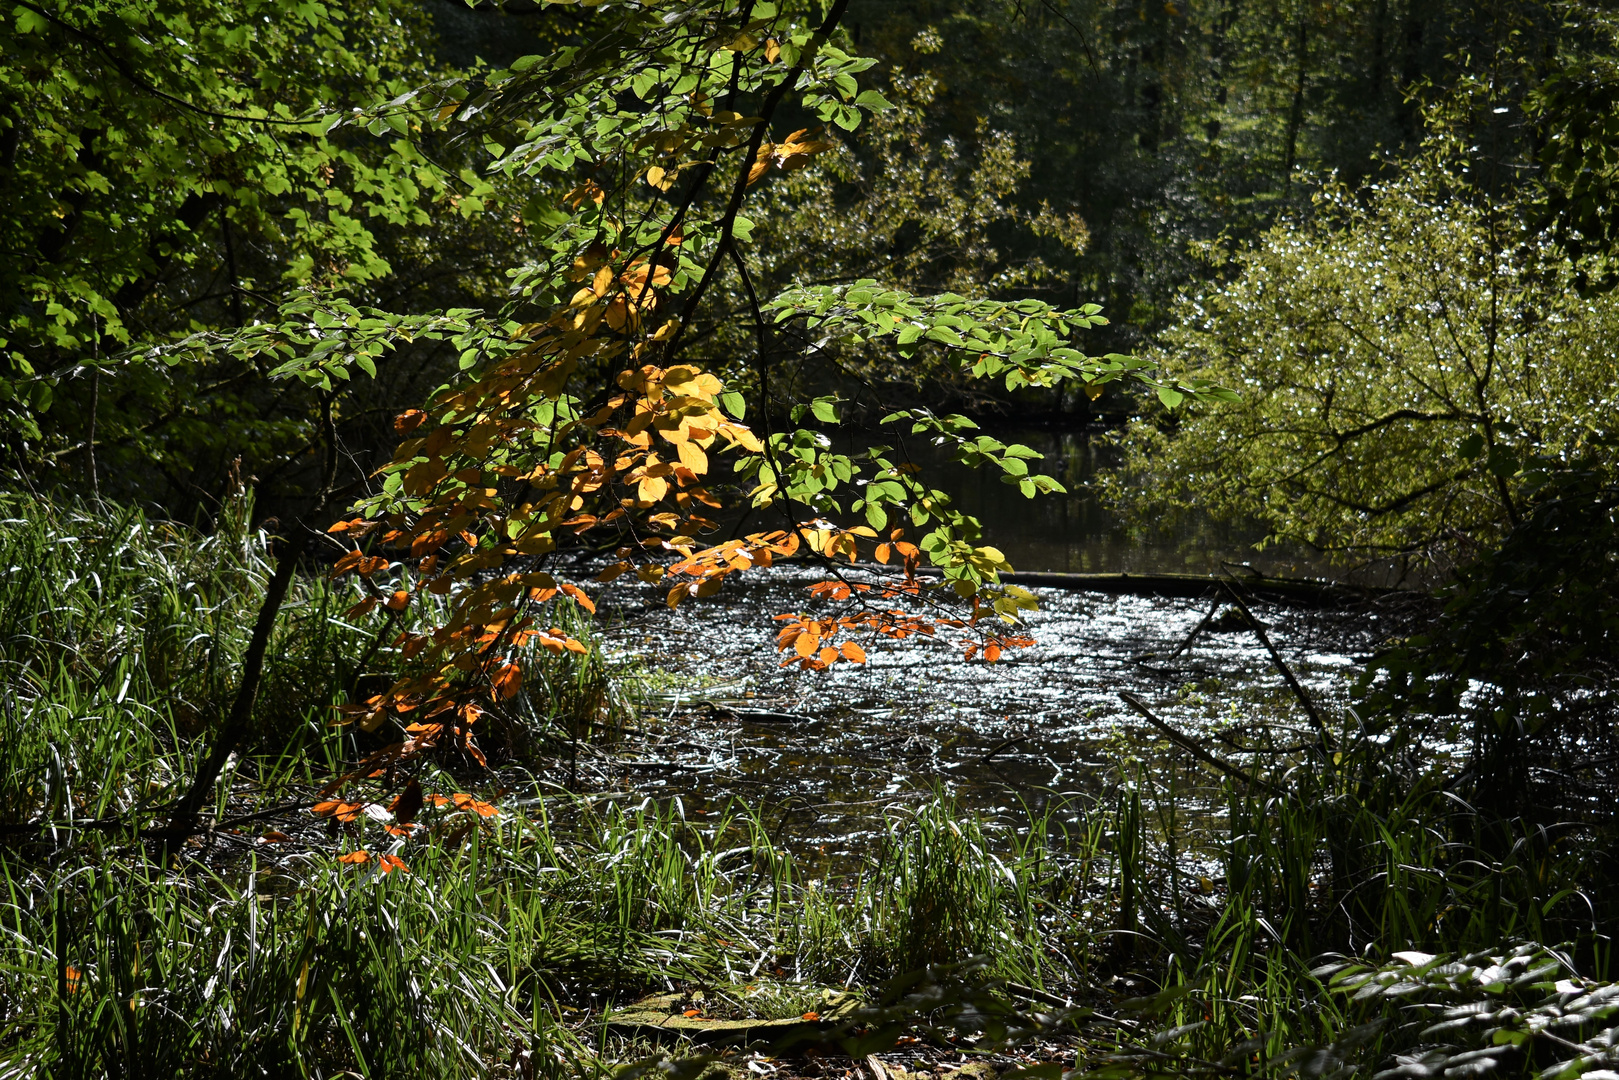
pixel 1079 152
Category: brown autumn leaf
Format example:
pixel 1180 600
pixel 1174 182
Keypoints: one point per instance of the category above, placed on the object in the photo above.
pixel 355 858
pixel 275 837
pixel 506 682
pixel 362 608
pixel 408 804
pixel 336 808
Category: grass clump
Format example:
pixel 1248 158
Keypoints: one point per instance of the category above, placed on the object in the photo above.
pixel 120 968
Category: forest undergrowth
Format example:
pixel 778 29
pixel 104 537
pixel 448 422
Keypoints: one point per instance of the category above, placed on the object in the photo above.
pixel 1309 909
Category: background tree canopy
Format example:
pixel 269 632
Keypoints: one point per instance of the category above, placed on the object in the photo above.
pixel 172 168
pixel 1411 361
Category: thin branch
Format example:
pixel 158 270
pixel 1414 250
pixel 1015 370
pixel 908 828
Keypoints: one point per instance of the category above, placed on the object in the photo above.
pixel 1325 736
pixel 739 189
pixel 1194 749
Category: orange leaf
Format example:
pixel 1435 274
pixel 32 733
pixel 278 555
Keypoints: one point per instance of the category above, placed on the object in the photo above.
pixel 811 1016
pixel 579 597
pixel 852 651
pixel 507 681
pixel 342 811
pixel 828 655
pixel 73 978
pixel 355 858
pixel 274 837
pixel 347 562
pixel 463 801
pixel 882 553
pixel 362 608
pixel 398 600
pixel 691 1013
pixel 390 863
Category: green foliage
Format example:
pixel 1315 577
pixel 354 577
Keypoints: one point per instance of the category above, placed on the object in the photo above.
pixel 938 894
pixel 1162 125
pixel 1523 1009
pixel 1403 357
pixel 172 169
pixel 1523 653
pixel 124 969
pixel 1576 113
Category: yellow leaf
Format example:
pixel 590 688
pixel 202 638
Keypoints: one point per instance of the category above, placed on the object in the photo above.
pixel 741 436
pixel 693 458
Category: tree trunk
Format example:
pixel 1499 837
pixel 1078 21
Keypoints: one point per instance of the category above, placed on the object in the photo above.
pixel 1295 115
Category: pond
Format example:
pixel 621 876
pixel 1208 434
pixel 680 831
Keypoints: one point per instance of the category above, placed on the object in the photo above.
pixel 1043 722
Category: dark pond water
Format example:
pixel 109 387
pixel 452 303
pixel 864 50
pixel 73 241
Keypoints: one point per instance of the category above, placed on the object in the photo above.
pixel 1044 721
pixel 1076 533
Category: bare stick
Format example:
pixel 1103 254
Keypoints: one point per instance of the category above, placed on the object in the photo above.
pixel 1193 748
pixel 1287 672
pixel 1196 630
pixel 183 822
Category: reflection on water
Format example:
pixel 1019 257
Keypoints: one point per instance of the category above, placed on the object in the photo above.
pixel 1075 533
pixel 1048 720
pixel 1045 722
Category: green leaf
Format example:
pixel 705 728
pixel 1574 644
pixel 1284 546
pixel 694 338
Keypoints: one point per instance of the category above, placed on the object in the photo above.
pixel 734 403
pixel 871 99
pixel 876 516
pixel 1170 397
pixel 823 411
